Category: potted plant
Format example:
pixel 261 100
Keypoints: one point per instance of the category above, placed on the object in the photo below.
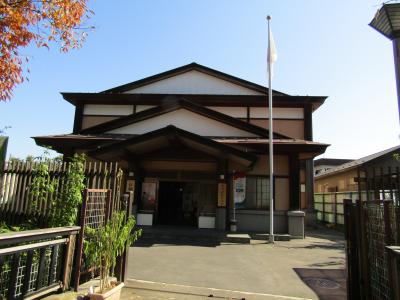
pixel 102 246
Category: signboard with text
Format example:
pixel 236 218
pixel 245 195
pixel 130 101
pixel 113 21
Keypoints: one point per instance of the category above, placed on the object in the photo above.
pixel 221 194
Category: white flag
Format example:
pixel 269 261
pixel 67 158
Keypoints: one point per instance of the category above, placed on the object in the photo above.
pixel 272 54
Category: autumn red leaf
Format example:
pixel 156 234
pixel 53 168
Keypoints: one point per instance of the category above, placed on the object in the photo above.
pixel 42 22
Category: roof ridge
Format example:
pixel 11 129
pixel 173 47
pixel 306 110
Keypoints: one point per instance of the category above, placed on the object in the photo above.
pixel 186 68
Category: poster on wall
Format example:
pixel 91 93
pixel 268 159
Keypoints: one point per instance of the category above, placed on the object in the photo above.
pixel 149 195
pixel 239 192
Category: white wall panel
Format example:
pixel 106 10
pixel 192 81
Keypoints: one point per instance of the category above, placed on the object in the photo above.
pixel 185 120
pixel 279 112
pixel 194 82
pixel 236 112
pixel 107 110
pixel 143 107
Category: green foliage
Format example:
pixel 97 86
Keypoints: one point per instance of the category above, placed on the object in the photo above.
pixel 66 206
pixel 65 195
pixel 4 228
pixel 103 245
pixel 42 184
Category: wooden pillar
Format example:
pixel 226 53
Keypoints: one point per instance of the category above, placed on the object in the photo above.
pixel 221 211
pixel 310 184
pixel 135 173
pixel 308 135
pixel 294 182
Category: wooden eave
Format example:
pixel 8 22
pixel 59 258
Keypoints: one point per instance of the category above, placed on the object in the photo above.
pixel 62 142
pixel 175 103
pixel 170 132
pixel 205 100
pixel 281 146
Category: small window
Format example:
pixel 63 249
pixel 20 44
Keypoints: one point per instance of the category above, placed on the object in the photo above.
pixel 257 193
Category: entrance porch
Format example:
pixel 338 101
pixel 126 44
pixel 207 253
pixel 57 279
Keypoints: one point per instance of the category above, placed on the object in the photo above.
pixel 178 178
pixel 182 179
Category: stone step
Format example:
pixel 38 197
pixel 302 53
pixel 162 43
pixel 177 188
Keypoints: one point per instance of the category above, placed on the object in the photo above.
pixel 265 237
pixel 241 238
pixel 205 235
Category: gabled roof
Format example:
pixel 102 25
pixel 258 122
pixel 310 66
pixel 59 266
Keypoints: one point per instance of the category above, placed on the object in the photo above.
pixel 331 161
pixel 189 67
pixel 358 162
pixel 172 137
pixel 175 103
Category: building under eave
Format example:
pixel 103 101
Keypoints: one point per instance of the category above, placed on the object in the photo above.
pixel 185 134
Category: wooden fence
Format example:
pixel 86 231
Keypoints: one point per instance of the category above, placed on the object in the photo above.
pixel 372 224
pixel 330 206
pixel 36 262
pixel 370 228
pixel 16 201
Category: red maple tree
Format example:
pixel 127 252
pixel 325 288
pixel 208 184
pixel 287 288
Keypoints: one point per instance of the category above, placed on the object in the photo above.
pixel 36 21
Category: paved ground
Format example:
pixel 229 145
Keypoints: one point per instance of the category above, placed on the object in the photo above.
pixel 310 268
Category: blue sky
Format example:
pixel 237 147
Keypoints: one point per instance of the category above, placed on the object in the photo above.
pixel 324 48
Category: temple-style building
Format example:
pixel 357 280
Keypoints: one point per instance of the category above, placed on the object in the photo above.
pixel 193 141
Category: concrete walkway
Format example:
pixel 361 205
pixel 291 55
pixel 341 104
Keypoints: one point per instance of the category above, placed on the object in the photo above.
pixel 310 269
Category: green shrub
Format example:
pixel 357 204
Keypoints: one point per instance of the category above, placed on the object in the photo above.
pixel 103 245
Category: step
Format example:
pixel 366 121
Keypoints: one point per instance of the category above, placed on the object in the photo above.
pixel 265 237
pixel 241 238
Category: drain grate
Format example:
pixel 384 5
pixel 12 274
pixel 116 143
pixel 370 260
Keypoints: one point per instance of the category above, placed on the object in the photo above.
pixel 322 283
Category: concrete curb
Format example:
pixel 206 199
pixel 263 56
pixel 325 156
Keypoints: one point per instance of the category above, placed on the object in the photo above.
pixel 202 291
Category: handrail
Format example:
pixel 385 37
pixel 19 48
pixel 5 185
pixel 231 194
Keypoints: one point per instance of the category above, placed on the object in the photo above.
pixel 7 239
pixel 21 252
pixel 22 248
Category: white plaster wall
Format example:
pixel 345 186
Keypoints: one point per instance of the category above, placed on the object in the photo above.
pixel 278 112
pixel 185 120
pixel 143 107
pixel 107 110
pixel 236 112
pixel 194 82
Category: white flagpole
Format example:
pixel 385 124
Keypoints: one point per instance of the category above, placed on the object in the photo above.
pixel 270 138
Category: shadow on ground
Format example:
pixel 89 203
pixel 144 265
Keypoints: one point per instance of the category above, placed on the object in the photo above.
pixel 328 284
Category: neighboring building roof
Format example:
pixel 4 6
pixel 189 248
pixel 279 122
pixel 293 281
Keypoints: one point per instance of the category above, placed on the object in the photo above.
pixel 386 20
pixel 189 67
pixel 358 162
pixel 175 103
pixel 331 161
